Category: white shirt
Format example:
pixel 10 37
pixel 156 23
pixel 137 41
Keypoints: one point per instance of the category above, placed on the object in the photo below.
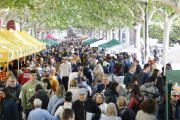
pixel 60 110
pixel 71 77
pixel 66 69
pixel 74 91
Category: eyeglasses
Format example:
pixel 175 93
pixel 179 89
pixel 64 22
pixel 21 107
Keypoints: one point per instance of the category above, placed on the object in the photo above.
pixel 175 95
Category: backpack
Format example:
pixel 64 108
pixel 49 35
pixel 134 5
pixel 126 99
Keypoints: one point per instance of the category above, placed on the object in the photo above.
pixel 115 68
pixel 60 104
pixel 126 68
pixel 138 107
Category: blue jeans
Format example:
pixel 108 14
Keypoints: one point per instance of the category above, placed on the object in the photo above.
pixel 156 113
pixel 26 112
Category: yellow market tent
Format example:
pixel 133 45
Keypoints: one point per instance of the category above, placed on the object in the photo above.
pixel 37 46
pixel 34 48
pixel 34 39
pixel 27 48
pixel 7 46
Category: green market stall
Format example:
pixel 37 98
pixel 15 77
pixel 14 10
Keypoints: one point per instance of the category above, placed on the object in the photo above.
pixel 172 76
pixel 49 42
pixel 89 41
pixel 110 44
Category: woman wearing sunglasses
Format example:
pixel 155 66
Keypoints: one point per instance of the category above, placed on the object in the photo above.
pixel 174 108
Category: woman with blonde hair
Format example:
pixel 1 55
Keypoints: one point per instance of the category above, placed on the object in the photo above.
pixel 56 99
pixel 58 69
pixel 100 101
pixel 123 111
pixel 111 113
pixel 74 89
pixel 97 73
pixel 8 74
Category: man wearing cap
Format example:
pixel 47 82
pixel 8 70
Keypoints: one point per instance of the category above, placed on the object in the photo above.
pixel 66 67
pixel 52 79
pixel 84 105
pixel 24 77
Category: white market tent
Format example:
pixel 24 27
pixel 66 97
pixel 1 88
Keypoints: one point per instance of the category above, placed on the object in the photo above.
pixel 173 55
pixel 123 48
pixel 95 44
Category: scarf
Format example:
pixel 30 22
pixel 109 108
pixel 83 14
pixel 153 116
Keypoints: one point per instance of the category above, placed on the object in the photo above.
pixel 173 108
pixel 98 104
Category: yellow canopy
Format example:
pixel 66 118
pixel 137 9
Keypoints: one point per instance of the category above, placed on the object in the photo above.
pixel 4 44
pixel 19 34
pixel 6 54
pixel 34 39
pixel 27 48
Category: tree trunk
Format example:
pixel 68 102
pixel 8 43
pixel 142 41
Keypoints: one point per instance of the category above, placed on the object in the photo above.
pixel 138 45
pixel 127 35
pixel 147 42
pixel 110 34
pixel 167 26
pixel 3 20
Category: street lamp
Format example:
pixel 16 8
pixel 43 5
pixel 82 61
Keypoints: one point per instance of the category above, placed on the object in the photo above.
pixel 113 31
pixel 135 29
pixel 146 27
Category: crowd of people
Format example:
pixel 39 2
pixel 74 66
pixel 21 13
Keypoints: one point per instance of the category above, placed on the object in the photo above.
pixel 75 82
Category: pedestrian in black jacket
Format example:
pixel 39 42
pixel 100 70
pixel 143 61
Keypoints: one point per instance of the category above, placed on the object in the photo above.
pixel 123 111
pixel 15 90
pixel 84 105
pixel 106 82
pixel 40 94
pixel 112 93
pixel 88 73
pixel 138 67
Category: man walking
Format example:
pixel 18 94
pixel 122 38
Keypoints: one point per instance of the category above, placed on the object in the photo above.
pixel 15 89
pixel 66 67
pixel 144 76
pixel 28 90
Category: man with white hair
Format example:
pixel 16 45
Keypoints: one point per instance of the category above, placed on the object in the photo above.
pixel 106 82
pixel 15 89
pixel 40 114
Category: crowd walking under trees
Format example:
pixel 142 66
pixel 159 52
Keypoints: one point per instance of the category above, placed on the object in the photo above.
pixel 71 81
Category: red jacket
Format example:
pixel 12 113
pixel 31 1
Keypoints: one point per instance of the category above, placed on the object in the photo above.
pixel 134 103
pixel 23 78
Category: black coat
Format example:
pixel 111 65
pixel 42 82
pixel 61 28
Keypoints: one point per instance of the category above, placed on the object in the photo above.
pixel 162 111
pixel 56 57
pixel 138 69
pixel 88 73
pixel 111 96
pixel 81 108
pixel 106 70
pixel 43 96
pixel 16 92
pixel 126 114
pixel 102 86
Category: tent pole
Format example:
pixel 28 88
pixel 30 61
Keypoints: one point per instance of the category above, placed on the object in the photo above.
pixel 24 59
pixel 18 64
pixel 7 66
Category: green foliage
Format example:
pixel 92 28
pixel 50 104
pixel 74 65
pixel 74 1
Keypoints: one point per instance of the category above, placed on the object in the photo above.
pixel 155 29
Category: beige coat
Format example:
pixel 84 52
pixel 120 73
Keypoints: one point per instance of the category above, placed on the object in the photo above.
pixel 97 74
pixel 141 115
